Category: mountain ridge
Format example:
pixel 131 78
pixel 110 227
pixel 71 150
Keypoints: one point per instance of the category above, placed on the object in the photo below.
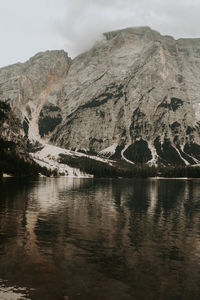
pixel 135 91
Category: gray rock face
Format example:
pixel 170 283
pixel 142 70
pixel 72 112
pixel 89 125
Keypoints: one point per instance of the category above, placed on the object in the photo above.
pixel 30 86
pixel 10 127
pixel 134 95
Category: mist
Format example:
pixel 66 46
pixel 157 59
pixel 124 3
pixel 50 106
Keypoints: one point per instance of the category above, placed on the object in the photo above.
pixel 85 21
pixel 28 27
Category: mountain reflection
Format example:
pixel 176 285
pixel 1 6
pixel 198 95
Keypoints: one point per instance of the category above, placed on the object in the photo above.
pixel 101 238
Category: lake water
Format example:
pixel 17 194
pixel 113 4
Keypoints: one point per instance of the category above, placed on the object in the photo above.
pixel 112 239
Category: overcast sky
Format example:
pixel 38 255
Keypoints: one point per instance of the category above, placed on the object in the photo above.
pixel 30 26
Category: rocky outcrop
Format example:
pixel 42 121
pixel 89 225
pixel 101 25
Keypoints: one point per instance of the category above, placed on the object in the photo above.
pixel 14 155
pixel 32 87
pixel 135 91
pixel 11 130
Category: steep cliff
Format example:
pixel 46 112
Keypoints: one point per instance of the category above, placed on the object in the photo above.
pixel 33 88
pixel 14 154
pixel 133 96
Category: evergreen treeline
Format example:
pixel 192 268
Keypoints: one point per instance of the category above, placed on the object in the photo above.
pixel 17 164
pixel 179 171
pixel 14 158
pixel 123 169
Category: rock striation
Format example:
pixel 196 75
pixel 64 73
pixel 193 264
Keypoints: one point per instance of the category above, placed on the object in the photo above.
pixel 133 96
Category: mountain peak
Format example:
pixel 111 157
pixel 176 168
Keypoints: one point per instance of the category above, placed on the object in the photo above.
pixel 138 31
pixel 136 92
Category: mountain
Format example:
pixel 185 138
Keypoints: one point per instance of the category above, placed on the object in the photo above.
pixel 134 96
pixel 14 154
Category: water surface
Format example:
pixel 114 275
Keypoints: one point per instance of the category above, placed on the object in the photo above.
pixel 99 239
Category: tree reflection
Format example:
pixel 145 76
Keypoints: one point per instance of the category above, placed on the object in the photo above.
pixel 70 237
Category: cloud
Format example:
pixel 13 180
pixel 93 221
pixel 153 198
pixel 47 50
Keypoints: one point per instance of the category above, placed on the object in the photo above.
pixel 86 20
pixel 28 27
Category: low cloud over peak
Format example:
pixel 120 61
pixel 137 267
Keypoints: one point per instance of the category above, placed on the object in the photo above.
pixel 31 26
pixel 85 21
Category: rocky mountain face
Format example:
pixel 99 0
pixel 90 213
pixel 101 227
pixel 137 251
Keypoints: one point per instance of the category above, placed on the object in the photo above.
pixel 133 96
pixel 14 154
pixel 11 130
pixel 32 90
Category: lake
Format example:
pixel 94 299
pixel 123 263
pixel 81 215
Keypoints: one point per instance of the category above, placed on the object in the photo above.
pixel 109 239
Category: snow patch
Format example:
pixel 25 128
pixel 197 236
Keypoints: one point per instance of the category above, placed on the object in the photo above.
pixel 12 293
pixel 49 157
pixel 196 160
pixel 196 107
pixel 123 157
pixel 185 161
pixel 109 150
pixel 5 175
pixel 153 161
